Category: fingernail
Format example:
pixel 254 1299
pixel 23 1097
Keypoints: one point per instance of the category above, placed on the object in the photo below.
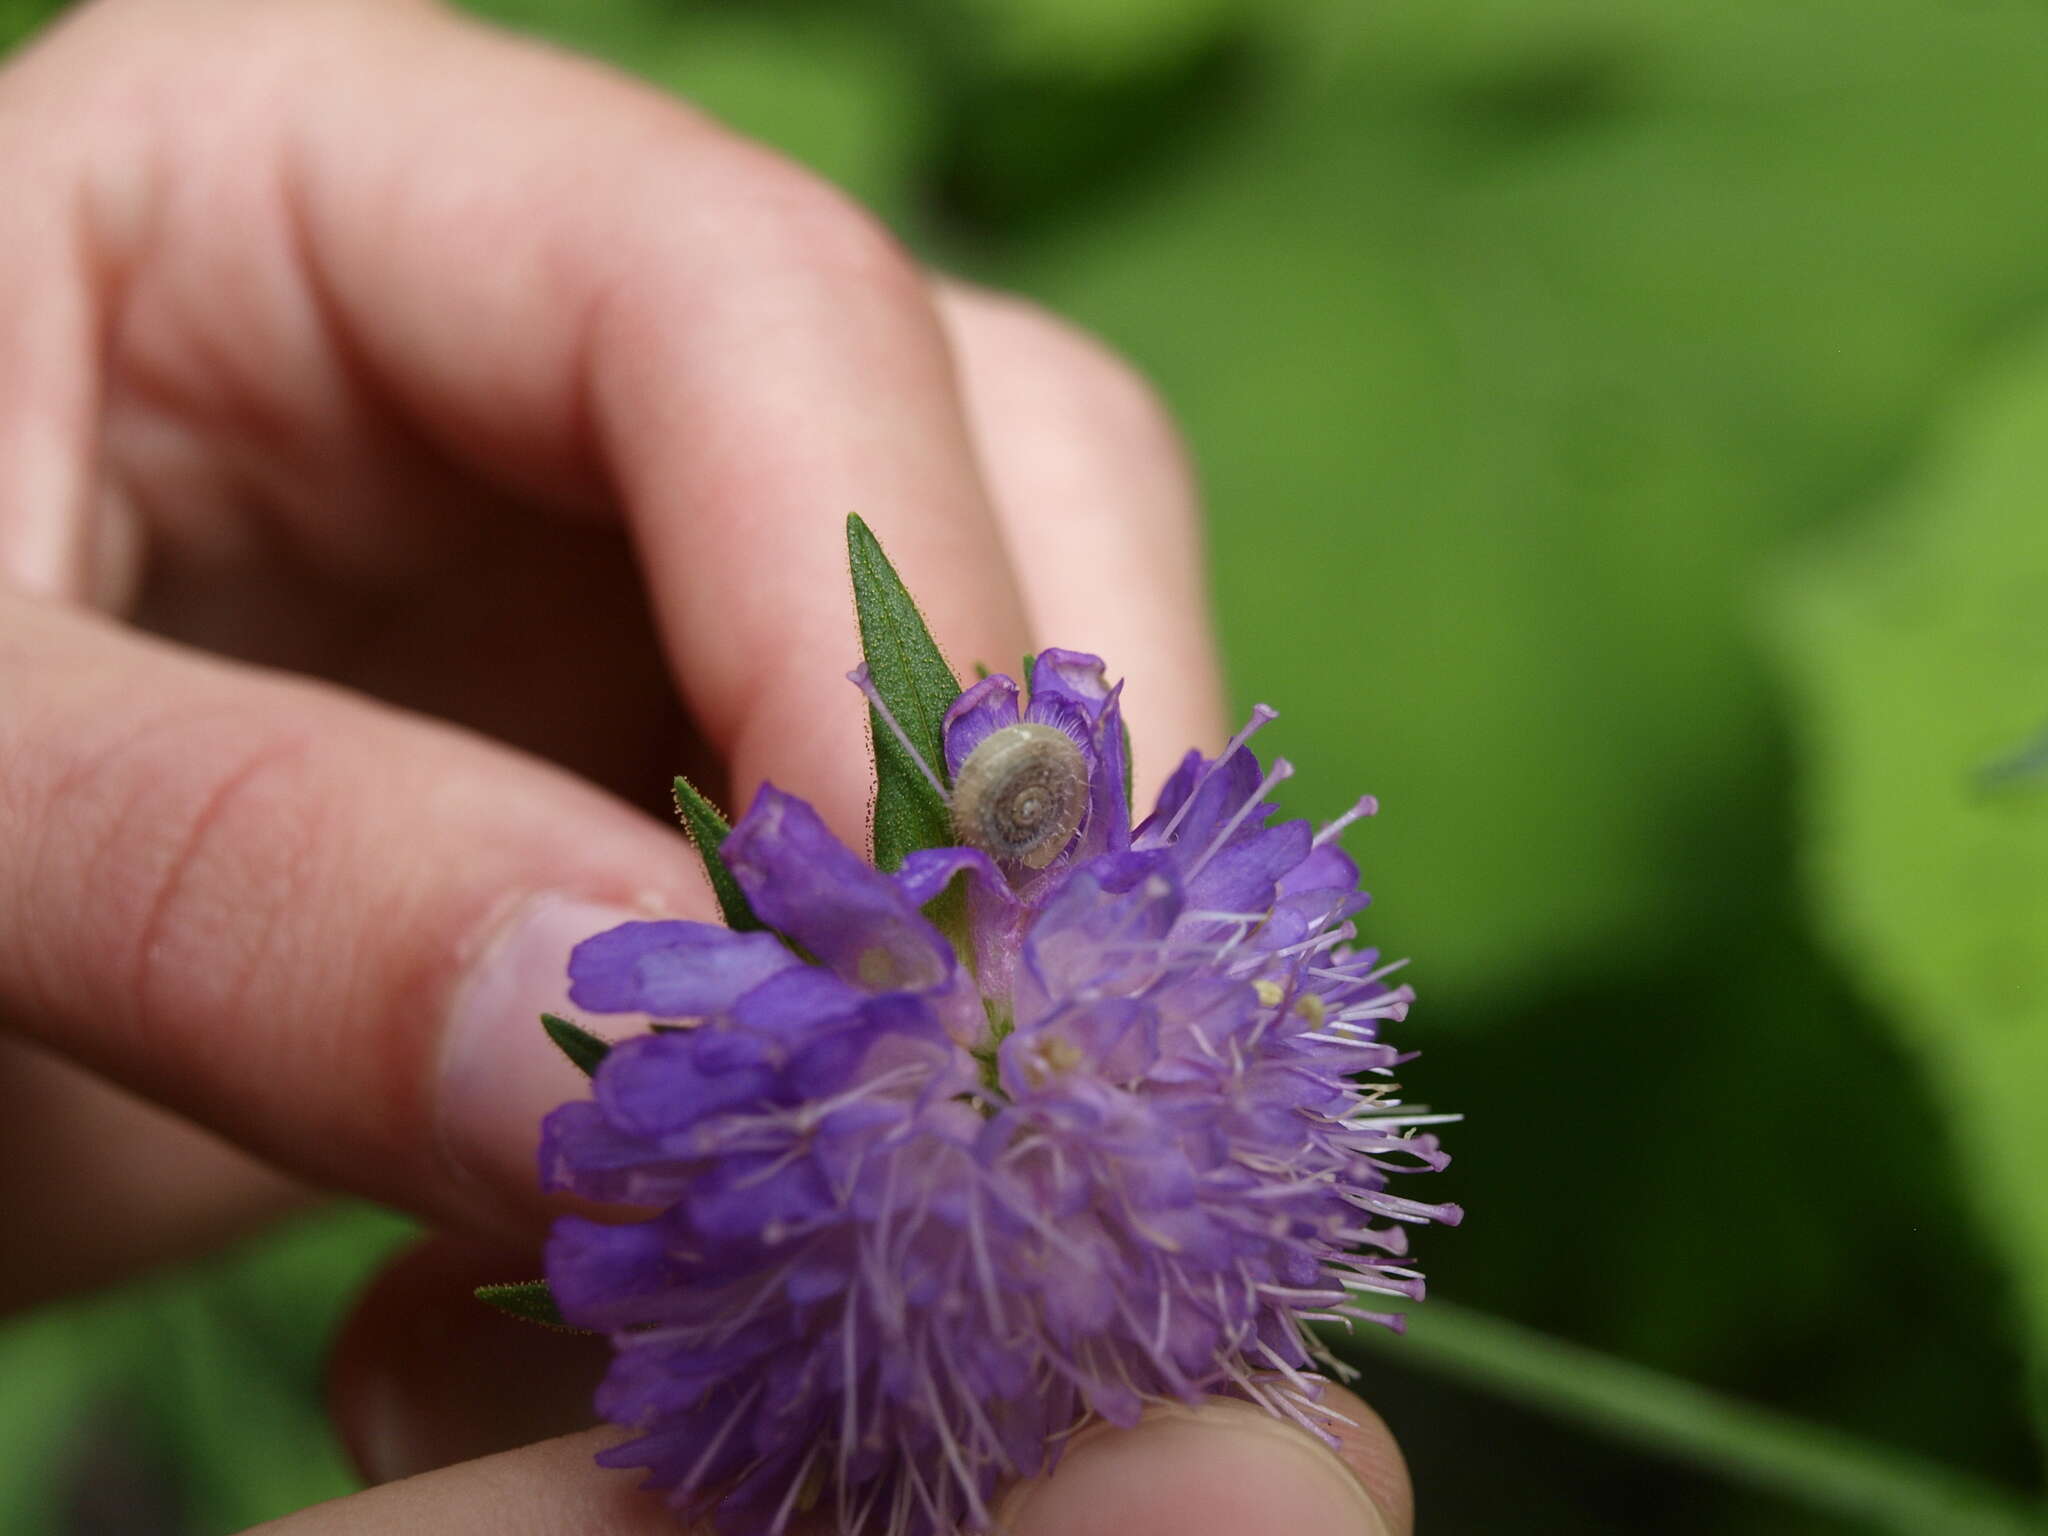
pixel 499 1072
pixel 1223 1469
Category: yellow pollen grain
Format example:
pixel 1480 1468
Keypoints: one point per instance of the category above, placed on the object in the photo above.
pixel 877 969
pixel 1270 992
pixel 1053 1056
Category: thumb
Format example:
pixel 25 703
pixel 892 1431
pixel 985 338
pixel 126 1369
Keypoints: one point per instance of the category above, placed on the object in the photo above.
pixel 1224 1469
pixel 550 1489
pixel 424 1375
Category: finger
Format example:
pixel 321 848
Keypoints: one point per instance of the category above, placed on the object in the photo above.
pixel 163 1190
pixel 1225 1469
pixel 319 926
pixel 578 290
pixel 1099 510
pixel 424 1375
pixel 49 337
pixel 550 1489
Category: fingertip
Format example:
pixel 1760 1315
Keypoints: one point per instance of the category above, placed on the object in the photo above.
pixel 1226 1468
pixel 1368 1448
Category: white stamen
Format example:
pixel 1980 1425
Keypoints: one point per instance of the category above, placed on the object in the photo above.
pixel 861 679
pixel 1261 716
pixel 1366 806
pixel 796 1486
pixel 1282 769
pixel 710 1452
pixel 963 1477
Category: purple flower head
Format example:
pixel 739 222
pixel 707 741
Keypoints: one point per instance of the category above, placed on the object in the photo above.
pixel 916 1211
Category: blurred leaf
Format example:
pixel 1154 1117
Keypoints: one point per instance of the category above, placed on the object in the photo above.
pixel 834 90
pixel 1807 1462
pixel 240 1349
pixel 1089 39
pixel 54 1369
pixel 19 19
pixel 1919 657
pixel 1508 370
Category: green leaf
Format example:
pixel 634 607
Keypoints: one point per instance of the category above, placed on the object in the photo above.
pixel 708 830
pixel 528 1300
pixel 1820 1467
pixel 915 683
pixel 1919 656
pixel 578 1044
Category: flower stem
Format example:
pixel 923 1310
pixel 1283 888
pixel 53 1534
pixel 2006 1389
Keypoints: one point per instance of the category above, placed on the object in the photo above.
pixel 1810 1463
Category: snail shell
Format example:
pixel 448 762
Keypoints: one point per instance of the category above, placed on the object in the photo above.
pixel 1021 794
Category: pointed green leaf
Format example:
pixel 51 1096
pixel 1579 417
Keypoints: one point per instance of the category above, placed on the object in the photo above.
pixel 915 683
pixel 528 1300
pixel 578 1044
pixel 708 831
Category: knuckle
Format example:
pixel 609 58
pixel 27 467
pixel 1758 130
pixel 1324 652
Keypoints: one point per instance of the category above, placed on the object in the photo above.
pixel 788 218
pixel 205 833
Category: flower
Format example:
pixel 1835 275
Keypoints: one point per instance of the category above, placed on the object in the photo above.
pixel 919 1210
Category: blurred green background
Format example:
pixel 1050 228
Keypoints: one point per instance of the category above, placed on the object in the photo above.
pixel 1625 430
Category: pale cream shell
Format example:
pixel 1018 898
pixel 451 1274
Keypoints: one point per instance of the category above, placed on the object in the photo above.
pixel 1021 794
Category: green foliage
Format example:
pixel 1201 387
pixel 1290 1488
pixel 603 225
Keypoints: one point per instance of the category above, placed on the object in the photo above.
pixel 584 1050
pixel 1058 39
pixel 19 19
pixel 830 89
pixel 238 1358
pixel 528 1300
pixel 1918 648
pixel 708 830
pixel 204 1388
pixel 917 685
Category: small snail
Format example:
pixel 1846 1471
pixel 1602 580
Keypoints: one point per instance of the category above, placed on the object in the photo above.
pixel 1021 794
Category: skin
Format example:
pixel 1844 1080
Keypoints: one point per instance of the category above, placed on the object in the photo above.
pixel 415 445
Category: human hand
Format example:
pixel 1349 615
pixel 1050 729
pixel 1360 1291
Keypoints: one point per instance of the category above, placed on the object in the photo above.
pixel 410 440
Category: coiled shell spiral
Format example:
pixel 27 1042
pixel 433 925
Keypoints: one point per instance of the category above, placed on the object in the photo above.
pixel 1021 794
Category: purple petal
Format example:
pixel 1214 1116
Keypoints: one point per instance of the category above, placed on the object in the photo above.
pixel 1070 690
pixel 805 883
pixel 1327 868
pixel 977 714
pixel 673 970
pixel 598 1273
pixel 661 1085
pixel 1089 939
pixel 1074 676
pixel 928 871
pixel 1108 829
pixel 1241 876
